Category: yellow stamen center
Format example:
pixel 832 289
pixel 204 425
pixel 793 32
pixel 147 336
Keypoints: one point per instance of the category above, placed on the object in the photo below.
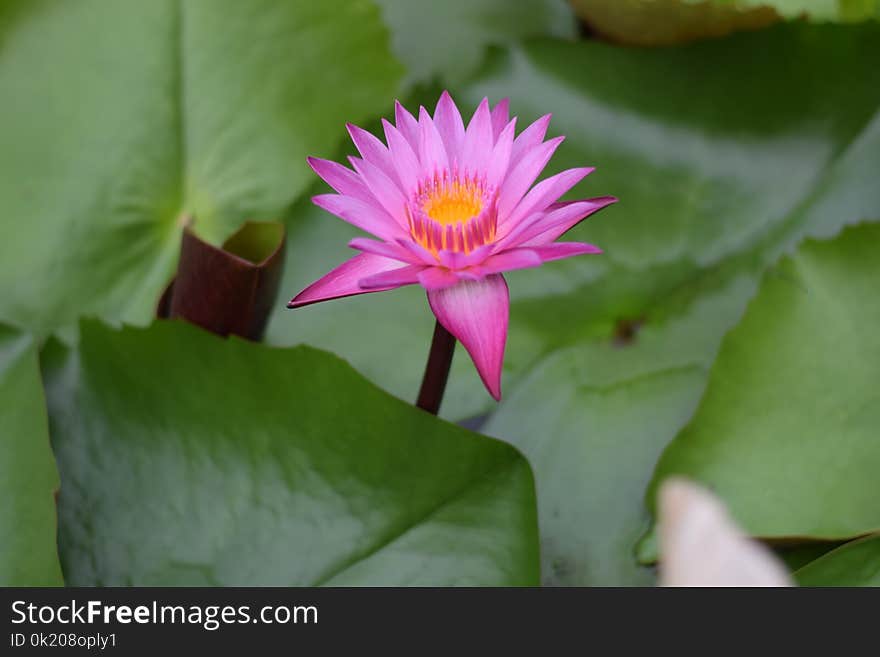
pixel 453 202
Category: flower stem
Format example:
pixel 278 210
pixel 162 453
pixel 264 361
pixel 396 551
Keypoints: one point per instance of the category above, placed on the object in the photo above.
pixel 437 370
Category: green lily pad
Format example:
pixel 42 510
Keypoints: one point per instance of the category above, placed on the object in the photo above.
pixel 786 433
pixel 447 40
pixel 856 563
pixel 28 476
pixel 187 459
pixel 121 118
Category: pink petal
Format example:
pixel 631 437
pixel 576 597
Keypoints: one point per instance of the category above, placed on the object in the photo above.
pixel 407 125
pixel 512 236
pixel 521 176
pixel 478 140
pixel 447 118
pixel 548 226
pixel 544 193
pixel 385 249
pixel 513 259
pixel 406 164
pixel 534 256
pixel 436 278
pixel 343 281
pixel 358 213
pixel 342 179
pixel 371 148
pixel 393 278
pixel 500 159
pixel 476 313
pixel 384 189
pixel 432 152
pixel 500 117
pixel 529 138
pixel 458 260
pixel 471 274
pixel 560 250
pixel 421 253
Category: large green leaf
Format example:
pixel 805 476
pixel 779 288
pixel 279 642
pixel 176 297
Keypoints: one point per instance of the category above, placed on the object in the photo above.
pixel 28 476
pixel 447 39
pixel 189 459
pixel 787 432
pixel 119 118
pixel 854 564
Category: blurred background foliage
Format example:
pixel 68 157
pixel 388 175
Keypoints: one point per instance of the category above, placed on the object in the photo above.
pixel 668 22
pixel 744 148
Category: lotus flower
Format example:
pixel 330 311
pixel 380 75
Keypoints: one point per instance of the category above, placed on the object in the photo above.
pixel 452 208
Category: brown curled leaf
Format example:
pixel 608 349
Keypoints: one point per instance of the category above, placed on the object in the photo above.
pixel 229 289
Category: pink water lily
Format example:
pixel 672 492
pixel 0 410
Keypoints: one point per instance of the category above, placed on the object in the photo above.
pixel 452 208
